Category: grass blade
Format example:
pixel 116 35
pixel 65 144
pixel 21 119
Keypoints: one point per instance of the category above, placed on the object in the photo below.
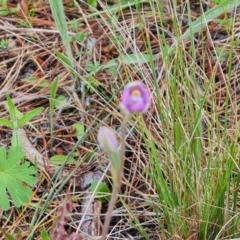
pixel 208 16
pixel 60 19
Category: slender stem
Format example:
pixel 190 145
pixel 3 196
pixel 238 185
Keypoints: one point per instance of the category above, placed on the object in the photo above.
pixel 109 211
pixel 116 181
pixel 123 144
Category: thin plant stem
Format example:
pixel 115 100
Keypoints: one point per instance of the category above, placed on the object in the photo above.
pixel 116 181
pixel 110 210
pixel 123 145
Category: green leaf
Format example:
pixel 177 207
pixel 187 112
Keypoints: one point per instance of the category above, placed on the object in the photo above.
pixel 60 19
pixel 60 159
pixel 208 16
pixel 9 236
pixel 60 101
pixel 101 191
pixel 92 67
pixel 12 176
pixel 45 235
pixel 11 109
pixel 92 84
pixel 138 58
pixel 28 116
pixel 53 92
pixel 92 3
pixel 37 82
pixel 6 123
pixel 19 115
pixel 4 11
pixel 51 102
pixel 4 3
pixel 65 60
pixel 79 129
pixel 80 37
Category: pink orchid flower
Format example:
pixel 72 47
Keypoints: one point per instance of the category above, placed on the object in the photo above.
pixel 135 98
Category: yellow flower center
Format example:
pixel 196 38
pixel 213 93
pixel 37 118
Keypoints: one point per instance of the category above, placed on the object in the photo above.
pixel 136 93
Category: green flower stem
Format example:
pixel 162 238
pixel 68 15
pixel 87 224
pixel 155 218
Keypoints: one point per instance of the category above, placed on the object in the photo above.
pixel 123 143
pixel 110 210
pixel 117 179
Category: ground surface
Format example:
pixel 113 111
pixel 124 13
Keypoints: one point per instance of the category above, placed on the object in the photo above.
pixel 28 66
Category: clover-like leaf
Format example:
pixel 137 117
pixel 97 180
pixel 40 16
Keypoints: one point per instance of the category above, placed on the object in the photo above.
pixel 45 235
pixel 102 192
pixel 15 177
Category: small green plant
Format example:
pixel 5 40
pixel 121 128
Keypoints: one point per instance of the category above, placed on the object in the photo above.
pixel 4 44
pixel 92 3
pixel 13 173
pixel 227 23
pixel 102 192
pixel 18 119
pixel 5 10
pixel 75 25
pixel 60 101
pixel 79 129
pixel 15 177
pixel 92 83
pixel 93 68
pixel 79 37
pixel 222 54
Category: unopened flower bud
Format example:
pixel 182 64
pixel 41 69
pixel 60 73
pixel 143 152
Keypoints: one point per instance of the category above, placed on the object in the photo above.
pixel 107 139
